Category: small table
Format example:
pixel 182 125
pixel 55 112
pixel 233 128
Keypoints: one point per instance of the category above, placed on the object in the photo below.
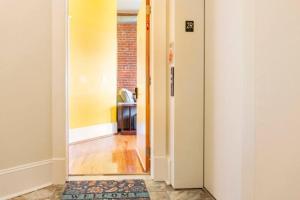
pixel 122 107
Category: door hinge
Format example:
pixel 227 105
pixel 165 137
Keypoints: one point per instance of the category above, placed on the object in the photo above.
pixel 150 81
pixel 148 152
pixel 149 9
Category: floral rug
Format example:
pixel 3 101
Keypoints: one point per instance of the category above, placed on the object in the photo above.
pixel 106 190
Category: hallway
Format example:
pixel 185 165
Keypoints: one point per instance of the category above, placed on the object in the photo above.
pixel 224 107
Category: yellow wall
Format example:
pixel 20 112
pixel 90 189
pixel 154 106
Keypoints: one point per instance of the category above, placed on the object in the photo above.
pixel 93 59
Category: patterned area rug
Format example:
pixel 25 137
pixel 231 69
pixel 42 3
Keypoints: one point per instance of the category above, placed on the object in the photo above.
pixel 106 190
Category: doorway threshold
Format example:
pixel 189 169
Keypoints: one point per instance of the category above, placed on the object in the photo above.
pixel 108 177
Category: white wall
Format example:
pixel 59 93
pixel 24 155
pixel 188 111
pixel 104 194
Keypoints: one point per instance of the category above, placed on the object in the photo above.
pixel 186 108
pixel 128 6
pixel 224 98
pixel 252 97
pixel 158 102
pixel 170 99
pixel 277 97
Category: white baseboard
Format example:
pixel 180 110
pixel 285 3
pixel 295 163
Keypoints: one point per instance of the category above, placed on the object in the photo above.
pixel 26 178
pixel 161 168
pixel 169 179
pixel 59 172
pixel 92 132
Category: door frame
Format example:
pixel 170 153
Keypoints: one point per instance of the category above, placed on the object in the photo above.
pixel 160 163
pixel 148 85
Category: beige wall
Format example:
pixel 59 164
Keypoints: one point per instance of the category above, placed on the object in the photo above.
pixel 25 82
pixel 224 75
pixel 252 97
pixel 277 99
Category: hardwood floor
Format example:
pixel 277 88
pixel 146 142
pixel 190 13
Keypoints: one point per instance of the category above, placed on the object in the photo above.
pixel 105 156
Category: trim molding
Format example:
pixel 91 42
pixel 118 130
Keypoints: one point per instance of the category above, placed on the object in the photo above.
pixel 160 169
pixel 91 132
pixel 59 172
pixel 58 159
pixel 26 178
pixel 24 167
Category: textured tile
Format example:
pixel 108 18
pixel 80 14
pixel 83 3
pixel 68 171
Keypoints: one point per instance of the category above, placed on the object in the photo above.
pixel 156 186
pixel 51 192
pixel 189 194
pixel 40 194
pixel 157 191
pixel 59 189
pixel 159 196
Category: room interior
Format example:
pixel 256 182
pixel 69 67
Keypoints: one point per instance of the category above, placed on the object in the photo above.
pixel 103 99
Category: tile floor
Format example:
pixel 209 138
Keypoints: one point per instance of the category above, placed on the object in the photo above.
pixel 157 190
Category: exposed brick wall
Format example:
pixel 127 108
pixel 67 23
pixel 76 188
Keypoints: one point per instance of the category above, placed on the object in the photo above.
pixel 127 56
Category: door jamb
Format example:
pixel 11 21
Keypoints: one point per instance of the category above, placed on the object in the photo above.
pixel 148 84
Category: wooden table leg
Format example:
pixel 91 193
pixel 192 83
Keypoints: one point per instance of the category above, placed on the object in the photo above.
pixel 129 118
pixel 122 115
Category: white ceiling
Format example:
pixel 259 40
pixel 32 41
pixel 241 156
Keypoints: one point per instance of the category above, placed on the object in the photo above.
pixel 128 5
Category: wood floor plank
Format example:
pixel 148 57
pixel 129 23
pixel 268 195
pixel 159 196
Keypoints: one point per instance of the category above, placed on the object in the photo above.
pixel 111 155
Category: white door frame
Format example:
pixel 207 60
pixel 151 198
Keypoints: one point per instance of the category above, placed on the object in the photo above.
pixel 60 69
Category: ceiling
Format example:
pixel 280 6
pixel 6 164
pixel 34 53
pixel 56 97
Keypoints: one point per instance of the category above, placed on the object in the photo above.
pixel 131 6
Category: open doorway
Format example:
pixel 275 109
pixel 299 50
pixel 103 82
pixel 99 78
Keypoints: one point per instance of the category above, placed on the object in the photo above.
pixel 109 80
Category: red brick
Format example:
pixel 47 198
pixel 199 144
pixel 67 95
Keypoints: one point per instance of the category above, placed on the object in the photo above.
pixel 127 56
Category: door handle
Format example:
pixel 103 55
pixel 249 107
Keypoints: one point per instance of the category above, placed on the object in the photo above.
pixel 136 90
